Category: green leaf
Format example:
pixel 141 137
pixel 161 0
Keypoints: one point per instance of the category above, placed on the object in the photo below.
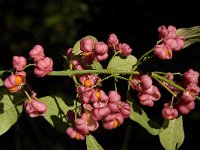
pixel 76 49
pixel 92 144
pixel 191 35
pixel 96 65
pixel 172 134
pixel 1 82
pixel 56 111
pixel 10 109
pixel 138 115
pixel 120 63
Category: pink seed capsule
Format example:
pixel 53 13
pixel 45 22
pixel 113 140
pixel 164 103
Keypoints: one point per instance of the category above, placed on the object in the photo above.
pixel 43 67
pixel 146 81
pixel 37 53
pixel 86 44
pixel 19 62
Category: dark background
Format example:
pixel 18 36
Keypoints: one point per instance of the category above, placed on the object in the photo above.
pixel 57 25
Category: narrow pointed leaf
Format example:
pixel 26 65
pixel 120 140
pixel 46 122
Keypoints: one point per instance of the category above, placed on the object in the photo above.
pixel 56 111
pixel 119 63
pixel 138 115
pixel 76 49
pixel 191 35
pixel 92 143
pixel 172 134
pixel 10 109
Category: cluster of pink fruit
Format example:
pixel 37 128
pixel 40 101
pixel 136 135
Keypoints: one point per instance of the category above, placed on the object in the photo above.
pixel 148 93
pixel 109 109
pixel 186 98
pixel 14 82
pixel 97 106
pixel 170 42
pixel 96 51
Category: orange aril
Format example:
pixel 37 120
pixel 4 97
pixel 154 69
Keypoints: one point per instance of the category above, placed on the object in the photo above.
pixel 116 123
pixel 87 83
pixel 98 95
pixel 18 80
pixel 77 136
pixel 13 89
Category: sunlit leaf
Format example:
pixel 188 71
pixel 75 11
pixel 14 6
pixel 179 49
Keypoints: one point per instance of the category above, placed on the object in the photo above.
pixel 57 110
pixel 191 35
pixel 92 143
pixel 120 63
pixel 76 49
pixel 138 115
pixel 96 65
pixel 172 134
pixel 10 109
